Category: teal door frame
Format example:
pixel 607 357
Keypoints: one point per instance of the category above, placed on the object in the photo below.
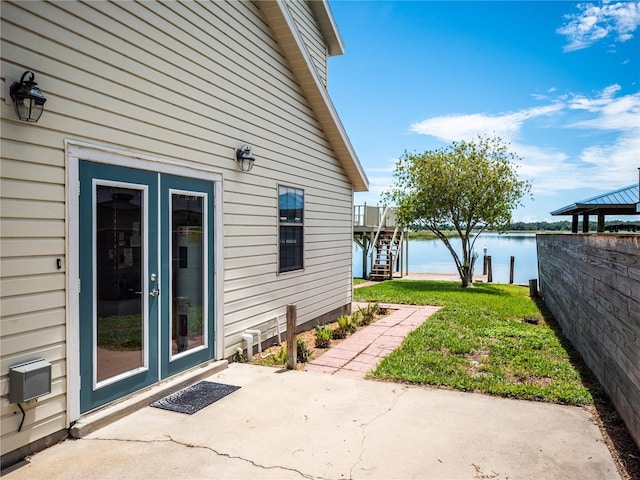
pixel 158 360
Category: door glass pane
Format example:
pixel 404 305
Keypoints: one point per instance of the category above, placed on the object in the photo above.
pixel 187 272
pixel 119 275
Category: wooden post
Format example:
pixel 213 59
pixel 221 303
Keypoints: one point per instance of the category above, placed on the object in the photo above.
pixel 484 261
pixel 489 269
pixel 292 344
pixel 365 247
pixel 574 224
pixel 585 223
pixel 406 245
pixel 533 288
pixel 511 264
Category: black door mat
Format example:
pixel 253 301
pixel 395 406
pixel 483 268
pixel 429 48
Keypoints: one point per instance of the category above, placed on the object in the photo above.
pixel 195 397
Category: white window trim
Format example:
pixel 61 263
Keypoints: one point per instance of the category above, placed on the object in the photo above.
pixel 285 224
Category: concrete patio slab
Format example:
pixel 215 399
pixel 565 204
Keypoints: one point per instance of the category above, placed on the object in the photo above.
pixel 295 424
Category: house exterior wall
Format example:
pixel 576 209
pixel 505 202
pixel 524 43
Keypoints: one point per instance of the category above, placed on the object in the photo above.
pixel 181 82
pixel 591 284
pixel 312 36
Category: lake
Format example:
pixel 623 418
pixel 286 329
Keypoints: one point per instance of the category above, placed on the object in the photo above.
pixel 431 256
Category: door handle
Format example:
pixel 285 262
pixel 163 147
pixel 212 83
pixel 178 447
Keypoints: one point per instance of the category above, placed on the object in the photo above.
pixel 155 292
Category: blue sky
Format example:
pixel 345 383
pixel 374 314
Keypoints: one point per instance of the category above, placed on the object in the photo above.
pixel 559 81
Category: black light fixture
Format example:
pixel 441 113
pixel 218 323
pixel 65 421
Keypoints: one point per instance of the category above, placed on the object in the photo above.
pixel 28 98
pixel 245 158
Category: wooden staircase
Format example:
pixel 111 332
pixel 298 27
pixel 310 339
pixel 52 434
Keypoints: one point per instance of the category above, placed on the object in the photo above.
pixel 377 232
pixel 387 248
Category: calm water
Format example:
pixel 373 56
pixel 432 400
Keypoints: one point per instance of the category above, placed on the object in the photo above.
pixel 431 256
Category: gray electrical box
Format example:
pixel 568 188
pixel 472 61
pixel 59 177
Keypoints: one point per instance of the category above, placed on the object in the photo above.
pixel 29 380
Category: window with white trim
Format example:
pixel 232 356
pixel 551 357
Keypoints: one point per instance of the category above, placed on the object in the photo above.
pixel 290 229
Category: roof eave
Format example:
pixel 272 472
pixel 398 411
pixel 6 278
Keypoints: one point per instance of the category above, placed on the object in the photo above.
pixel 328 26
pixel 288 37
pixel 588 209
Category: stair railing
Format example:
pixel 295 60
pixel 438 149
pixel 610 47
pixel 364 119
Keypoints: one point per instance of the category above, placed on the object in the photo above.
pixel 381 223
pixel 393 258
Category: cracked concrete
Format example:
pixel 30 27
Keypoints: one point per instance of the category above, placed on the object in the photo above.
pixel 213 450
pixel 294 424
pixel 364 426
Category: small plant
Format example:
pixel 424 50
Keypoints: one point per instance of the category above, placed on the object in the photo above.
pixel 302 352
pixel 356 319
pixel 338 333
pixel 238 357
pixel 281 356
pixel 323 336
pixel 345 327
pixel 369 313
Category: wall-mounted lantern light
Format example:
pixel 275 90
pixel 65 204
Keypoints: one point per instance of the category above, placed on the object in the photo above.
pixel 244 158
pixel 28 98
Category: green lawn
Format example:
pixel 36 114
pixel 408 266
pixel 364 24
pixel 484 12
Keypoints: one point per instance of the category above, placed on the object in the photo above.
pixel 480 341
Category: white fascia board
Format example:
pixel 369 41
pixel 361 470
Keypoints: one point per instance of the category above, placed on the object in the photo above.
pixel 322 11
pixel 317 94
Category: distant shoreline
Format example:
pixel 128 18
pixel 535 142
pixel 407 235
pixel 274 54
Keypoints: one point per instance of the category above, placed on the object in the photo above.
pixel 428 235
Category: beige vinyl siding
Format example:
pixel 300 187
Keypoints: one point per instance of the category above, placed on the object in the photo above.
pixel 312 36
pixel 174 80
pixel 32 288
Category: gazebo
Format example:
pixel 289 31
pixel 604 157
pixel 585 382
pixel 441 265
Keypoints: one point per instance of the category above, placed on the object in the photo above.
pixel 624 201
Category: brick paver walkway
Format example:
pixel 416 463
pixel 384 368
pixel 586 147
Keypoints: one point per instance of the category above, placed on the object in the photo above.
pixel 359 353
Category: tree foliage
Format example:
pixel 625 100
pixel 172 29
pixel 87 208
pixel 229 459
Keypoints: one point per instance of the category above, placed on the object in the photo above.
pixel 470 185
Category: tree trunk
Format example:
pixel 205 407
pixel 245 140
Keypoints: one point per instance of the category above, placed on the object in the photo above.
pixel 465 275
pixel 466 269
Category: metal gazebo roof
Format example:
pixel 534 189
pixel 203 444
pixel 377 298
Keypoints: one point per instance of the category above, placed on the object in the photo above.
pixel 621 202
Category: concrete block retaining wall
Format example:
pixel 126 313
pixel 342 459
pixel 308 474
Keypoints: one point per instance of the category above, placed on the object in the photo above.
pixel 591 284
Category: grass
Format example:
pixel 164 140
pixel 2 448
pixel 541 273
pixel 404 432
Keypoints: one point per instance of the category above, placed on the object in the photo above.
pixel 480 341
pixel 124 332
pixel 120 332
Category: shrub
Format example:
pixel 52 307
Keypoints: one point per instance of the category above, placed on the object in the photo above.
pixel 281 356
pixel 323 336
pixel 356 319
pixel 302 352
pixel 369 313
pixel 339 333
pixel 345 327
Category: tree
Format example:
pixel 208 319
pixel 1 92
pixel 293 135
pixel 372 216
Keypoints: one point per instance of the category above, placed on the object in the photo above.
pixel 472 186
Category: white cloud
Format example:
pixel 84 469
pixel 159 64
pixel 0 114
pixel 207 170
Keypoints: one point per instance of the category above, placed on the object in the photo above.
pixel 614 164
pixel 606 130
pixel 614 114
pixel 467 127
pixel 595 22
pixel 601 165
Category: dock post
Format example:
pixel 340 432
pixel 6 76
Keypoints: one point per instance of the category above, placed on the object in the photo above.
pixel 406 244
pixel 489 270
pixel 511 264
pixel 484 261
